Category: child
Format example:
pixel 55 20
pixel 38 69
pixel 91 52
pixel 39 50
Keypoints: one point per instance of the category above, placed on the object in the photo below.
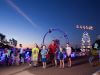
pixel 17 57
pixel 61 57
pixel 6 54
pixel 28 56
pixel 35 53
pixel 68 52
pixel 13 58
pixel 56 57
pixel 44 52
pixel 9 57
pixel 21 54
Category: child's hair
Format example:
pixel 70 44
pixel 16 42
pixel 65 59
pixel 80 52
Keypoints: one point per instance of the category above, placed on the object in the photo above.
pixel 43 45
pixel 20 45
pixel 36 45
pixel 68 44
pixel 60 47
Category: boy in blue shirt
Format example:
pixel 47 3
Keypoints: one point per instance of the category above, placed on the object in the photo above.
pixel 44 52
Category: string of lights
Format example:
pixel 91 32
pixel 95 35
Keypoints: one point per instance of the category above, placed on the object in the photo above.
pixel 85 27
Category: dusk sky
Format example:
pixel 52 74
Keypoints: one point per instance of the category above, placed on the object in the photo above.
pixel 28 20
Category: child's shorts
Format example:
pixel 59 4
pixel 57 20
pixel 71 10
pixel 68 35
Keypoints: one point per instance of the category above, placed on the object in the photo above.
pixel 34 59
pixel 44 59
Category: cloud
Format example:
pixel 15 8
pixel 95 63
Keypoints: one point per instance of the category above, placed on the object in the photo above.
pixel 15 7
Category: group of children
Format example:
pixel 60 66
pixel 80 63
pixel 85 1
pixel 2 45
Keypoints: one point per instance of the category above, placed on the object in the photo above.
pixel 59 56
pixel 14 56
pixel 55 54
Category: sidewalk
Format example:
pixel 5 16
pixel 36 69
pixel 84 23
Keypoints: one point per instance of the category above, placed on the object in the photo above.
pixel 97 73
pixel 12 70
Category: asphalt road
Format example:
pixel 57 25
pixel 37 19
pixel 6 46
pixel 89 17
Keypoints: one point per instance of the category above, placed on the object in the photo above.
pixel 79 67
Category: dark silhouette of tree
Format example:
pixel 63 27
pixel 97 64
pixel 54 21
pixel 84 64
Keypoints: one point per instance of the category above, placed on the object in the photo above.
pixel 2 38
pixel 13 42
pixel 98 42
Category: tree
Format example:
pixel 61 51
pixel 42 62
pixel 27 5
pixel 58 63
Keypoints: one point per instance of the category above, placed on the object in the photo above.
pixel 98 42
pixel 13 42
pixel 2 38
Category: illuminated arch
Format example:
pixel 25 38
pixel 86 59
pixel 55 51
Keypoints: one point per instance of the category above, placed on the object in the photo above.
pixel 52 30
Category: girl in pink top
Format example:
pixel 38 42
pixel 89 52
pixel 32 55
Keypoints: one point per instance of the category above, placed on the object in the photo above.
pixel 68 52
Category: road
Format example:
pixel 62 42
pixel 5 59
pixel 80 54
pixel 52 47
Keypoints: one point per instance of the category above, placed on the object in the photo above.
pixel 79 67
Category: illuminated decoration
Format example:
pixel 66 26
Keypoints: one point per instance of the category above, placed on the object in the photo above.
pixel 84 27
pixel 73 55
pixel 27 57
pixel 86 41
pixel 96 46
pixel 2 57
pixel 52 30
